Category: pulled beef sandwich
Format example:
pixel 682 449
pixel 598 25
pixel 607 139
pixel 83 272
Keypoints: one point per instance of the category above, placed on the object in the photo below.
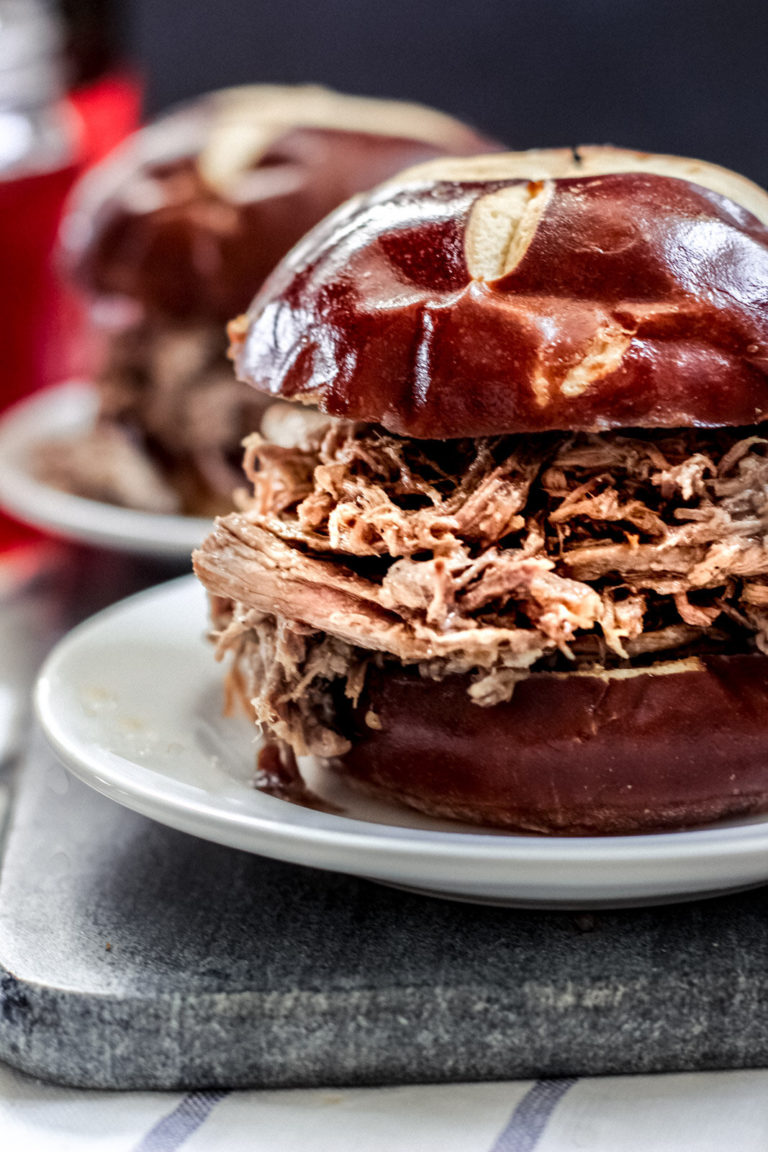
pixel 514 567
pixel 172 235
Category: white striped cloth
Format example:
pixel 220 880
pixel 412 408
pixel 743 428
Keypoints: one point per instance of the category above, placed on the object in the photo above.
pixel 702 1112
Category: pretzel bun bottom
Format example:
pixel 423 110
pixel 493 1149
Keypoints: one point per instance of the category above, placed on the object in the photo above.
pixel 640 750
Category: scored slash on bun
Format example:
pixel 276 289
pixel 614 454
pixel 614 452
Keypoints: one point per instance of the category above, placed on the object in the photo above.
pixel 632 750
pixel 526 292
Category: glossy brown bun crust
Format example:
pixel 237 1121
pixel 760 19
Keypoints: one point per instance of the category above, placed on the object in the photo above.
pixel 677 745
pixel 526 292
pixel 191 214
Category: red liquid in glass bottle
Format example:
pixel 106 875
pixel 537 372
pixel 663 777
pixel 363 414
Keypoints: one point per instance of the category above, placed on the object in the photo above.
pixel 30 295
pixel 37 166
pixel 30 209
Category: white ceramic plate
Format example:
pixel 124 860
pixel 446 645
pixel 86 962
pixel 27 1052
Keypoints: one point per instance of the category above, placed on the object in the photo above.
pixel 131 702
pixel 62 411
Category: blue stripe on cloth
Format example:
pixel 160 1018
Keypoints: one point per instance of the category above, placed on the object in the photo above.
pixel 177 1127
pixel 529 1119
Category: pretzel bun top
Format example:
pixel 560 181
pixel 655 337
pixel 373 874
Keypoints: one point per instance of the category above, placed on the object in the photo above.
pixel 554 289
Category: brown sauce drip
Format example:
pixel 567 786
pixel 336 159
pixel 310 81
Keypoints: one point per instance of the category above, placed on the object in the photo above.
pixel 278 774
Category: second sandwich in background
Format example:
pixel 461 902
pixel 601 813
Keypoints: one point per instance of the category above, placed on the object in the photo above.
pixel 172 235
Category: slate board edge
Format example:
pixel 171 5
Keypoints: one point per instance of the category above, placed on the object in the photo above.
pixel 43 1032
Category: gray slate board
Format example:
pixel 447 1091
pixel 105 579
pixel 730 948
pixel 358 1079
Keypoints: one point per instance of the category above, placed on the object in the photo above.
pixel 225 969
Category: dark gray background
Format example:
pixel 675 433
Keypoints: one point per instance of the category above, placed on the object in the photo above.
pixel 686 76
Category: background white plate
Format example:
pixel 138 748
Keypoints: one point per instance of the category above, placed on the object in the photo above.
pixel 66 410
pixel 131 702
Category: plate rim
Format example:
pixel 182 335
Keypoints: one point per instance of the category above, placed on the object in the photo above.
pixel 110 774
pixel 65 514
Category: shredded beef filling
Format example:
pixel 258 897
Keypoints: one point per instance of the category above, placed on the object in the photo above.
pixel 489 558
pixel 171 422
